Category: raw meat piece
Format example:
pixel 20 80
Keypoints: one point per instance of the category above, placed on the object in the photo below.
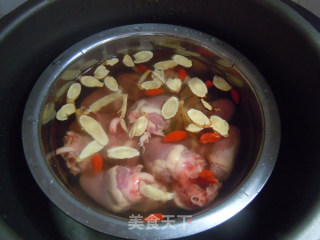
pixel 118 137
pixel 167 161
pixel 118 188
pixel 221 154
pixel 74 143
pixel 174 163
pixel 77 139
pixel 224 108
pixel 152 107
pixel 191 196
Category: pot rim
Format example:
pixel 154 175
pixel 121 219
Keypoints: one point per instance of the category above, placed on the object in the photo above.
pixel 254 182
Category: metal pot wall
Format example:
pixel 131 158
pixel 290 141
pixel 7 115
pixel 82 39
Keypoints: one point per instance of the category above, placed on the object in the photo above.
pixel 284 47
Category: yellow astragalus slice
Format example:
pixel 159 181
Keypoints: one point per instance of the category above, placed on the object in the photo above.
pixel 193 128
pixel 170 108
pixel 139 127
pixel 148 85
pixel 143 56
pixel 90 81
pixel 219 125
pixel 101 72
pixel 65 111
pixel 122 152
pixel 111 83
pixel 197 87
pixel 174 84
pixel 163 65
pixel 221 83
pixel 127 61
pixel 182 60
pixel 111 62
pixel 102 102
pixel 74 91
pixel 91 148
pixel 94 129
pixel 198 118
pixel 206 104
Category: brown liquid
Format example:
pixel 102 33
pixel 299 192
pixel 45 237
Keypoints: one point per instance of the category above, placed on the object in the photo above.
pixel 59 129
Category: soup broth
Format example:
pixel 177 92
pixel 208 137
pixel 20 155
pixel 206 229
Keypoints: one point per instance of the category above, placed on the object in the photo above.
pixel 148 132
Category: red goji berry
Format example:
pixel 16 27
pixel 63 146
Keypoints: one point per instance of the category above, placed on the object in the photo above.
pixel 209 83
pixel 97 162
pixel 209 138
pixel 235 96
pixel 153 92
pixel 175 136
pixel 182 74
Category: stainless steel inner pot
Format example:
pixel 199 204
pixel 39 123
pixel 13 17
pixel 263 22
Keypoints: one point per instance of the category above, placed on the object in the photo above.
pixel 259 118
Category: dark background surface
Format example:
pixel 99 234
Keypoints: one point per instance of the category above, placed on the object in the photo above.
pixel 283 47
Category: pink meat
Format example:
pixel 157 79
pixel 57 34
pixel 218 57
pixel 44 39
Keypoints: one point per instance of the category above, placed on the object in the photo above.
pixel 118 188
pixel 221 155
pixel 191 196
pixel 152 107
pixel 74 143
pixel 175 163
pixel 223 108
pixel 168 161
pixel 79 139
pixel 118 137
